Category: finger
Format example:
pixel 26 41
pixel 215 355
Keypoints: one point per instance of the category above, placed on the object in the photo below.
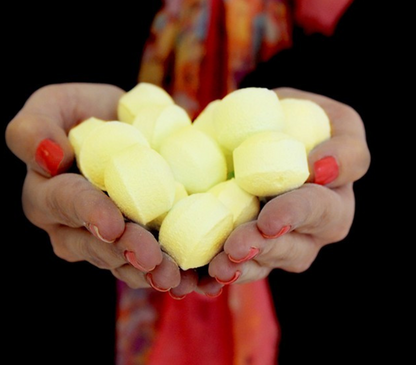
pixel 38 133
pixel 227 272
pixel 228 265
pixel 322 213
pixel 70 200
pixel 165 276
pixel 134 278
pixel 293 252
pixel 77 244
pixel 345 156
pixel 209 287
pixel 140 248
pixel 188 284
pixel 223 270
pixel 312 209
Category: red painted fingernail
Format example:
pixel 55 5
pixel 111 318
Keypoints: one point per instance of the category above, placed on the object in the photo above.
pixel 176 297
pixel 282 231
pixel 153 285
pixel 49 156
pixel 326 170
pixel 132 259
pixel 215 295
pixel 232 280
pixel 252 253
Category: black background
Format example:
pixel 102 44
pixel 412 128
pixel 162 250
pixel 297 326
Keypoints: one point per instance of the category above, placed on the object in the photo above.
pixel 342 310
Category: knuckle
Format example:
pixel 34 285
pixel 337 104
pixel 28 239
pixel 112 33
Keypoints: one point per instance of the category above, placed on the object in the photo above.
pixel 300 266
pixel 14 132
pixel 294 256
pixel 340 233
pixel 63 253
pixel 61 250
pixel 95 255
pixel 297 260
pixel 66 200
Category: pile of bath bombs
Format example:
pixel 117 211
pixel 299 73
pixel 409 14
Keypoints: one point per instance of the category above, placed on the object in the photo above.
pixel 194 181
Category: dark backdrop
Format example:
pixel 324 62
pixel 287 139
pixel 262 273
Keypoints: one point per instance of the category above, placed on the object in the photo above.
pixel 337 312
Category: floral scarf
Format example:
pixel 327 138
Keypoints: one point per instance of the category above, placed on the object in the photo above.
pixel 200 50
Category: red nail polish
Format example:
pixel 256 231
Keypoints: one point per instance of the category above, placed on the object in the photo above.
pixel 326 170
pixel 282 231
pixel 132 259
pixel 173 296
pixel 49 156
pixel 252 253
pixel 232 280
pixel 153 285
pixel 215 295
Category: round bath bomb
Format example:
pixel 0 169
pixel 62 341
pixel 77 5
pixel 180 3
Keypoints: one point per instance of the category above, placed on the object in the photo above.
pixel 103 143
pixel 195 159
pixel 141 96
pixel 140 182
pixel 306 121
pixel 270 163
pixel 195 229
pixel 245 112
pixel 244 206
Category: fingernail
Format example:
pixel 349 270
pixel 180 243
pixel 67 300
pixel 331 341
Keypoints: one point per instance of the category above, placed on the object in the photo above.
pixel 215 295
pixel 176 297
pixel 326 170
pixel 153 285
pixel 49 156
pixel 132 259
pixel 232 280
pixel 282 231
pixel 252 253
pixel 96 233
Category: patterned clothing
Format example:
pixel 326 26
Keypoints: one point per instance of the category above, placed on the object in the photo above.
pixel 200 50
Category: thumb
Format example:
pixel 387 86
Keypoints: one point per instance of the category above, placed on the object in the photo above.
pixel 38 133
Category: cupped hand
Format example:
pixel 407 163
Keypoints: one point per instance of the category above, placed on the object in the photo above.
pixel 292 228
pixel 82 222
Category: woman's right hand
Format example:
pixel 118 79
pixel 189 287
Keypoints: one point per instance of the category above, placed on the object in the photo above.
pixel 82 222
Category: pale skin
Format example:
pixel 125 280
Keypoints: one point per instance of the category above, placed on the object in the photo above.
pixel 85 225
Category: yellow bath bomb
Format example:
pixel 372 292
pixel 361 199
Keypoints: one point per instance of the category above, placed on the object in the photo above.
pixel 205 120
pixel 195 230
pixel 78 133
pixel 195 159
pixel 101 144
pixel 157 122
pixel 270 163
pixel 146 118
pixel 140 183
pixel 171 119
pixel 205 123
pixel 141 95
pixel 306 121
pixel 244 206
pixel 180 193
pixel 245 112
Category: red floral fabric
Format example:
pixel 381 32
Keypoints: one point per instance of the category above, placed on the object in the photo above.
pixel 200 50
